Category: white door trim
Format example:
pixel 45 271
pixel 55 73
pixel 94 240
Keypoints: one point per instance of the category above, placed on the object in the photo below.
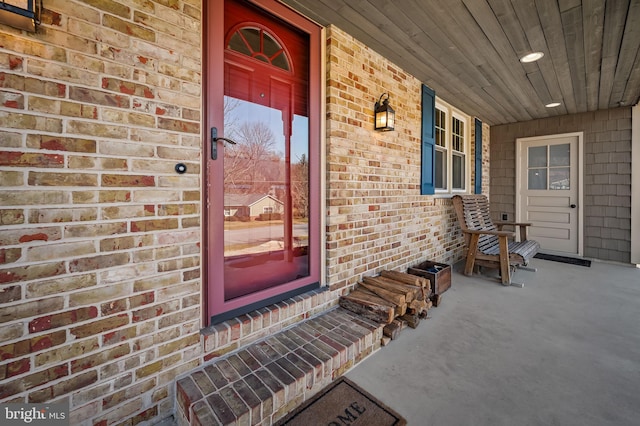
pixel 518 185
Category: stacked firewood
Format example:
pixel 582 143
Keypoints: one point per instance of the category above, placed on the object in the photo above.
pixel 393 298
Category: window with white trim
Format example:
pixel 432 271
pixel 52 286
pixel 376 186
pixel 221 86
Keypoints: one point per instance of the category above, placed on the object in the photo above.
pixel 452 146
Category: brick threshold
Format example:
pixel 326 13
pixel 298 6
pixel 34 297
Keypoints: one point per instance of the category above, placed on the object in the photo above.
pixel 262 382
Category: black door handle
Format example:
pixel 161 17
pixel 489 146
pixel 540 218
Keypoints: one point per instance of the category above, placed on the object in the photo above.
pixel 573 206
pixel 214 142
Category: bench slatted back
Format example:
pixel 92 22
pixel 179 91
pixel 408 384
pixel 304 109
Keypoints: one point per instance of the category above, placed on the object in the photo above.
pixel 476 215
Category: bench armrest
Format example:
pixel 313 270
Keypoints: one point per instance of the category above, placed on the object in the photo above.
pixel 499 224
pixel 522 226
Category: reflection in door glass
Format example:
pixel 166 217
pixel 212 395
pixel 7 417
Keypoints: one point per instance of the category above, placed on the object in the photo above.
pixel 538 156
pixel 559 178
pixel 559 155
pixel 537 179
pixel 266 198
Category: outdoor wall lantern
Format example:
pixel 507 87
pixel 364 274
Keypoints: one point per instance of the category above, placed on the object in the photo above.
pixel 385 116
pixel 22 14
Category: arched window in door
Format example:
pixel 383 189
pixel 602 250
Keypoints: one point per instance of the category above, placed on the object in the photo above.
pixel 259 44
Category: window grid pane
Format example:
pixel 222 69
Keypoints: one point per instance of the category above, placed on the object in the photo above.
pixel 537 179
pixel 451 153
pixel 260 45
pixel 440 128
pixel 458 171
pixel 441 168
pixel 457 135
pixel 559 155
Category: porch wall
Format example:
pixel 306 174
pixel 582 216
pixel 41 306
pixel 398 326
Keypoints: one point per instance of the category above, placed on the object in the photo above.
pixel 100 239
pixel 607 175
pixel 376 217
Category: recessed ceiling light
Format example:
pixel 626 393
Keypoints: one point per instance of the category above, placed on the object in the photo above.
pixel 552 104
pixel 531 57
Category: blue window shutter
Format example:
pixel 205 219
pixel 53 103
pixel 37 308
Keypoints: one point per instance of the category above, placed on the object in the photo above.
pixel 478 149
pixel 428 178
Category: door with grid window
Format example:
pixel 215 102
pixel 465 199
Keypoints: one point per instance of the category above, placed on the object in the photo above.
pixel 548 195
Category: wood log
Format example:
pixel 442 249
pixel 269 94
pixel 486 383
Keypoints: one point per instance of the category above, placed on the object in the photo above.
pixel 411 292
pixel 393 297
pixel 400 309
pixel 378 311
pixel 413 320
pixel 389 296
pixel 420 292
pixel 407 278
pixel 384 341
pixel 417 306
pixel 379 282
pixel 392 330
pixel 369 295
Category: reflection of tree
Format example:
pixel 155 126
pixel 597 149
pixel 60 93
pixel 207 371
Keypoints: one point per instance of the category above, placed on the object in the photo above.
pixel 252 165
pixel 300 187
pixel 230 118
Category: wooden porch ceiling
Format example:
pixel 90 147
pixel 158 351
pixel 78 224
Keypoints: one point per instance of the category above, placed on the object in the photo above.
pixel 469 50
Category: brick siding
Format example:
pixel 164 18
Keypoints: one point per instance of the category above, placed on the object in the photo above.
pixel 100 239
pixel 607 175
pixel 376 217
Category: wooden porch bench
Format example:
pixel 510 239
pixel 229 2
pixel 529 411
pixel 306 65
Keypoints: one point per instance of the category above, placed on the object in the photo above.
pixel 487 244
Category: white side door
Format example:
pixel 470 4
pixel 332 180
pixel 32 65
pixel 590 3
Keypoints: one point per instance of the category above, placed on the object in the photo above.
pixel 549 191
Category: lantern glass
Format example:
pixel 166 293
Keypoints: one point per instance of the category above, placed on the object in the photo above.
pixel 385 116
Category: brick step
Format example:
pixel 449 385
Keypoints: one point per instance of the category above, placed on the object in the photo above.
pixel 262 382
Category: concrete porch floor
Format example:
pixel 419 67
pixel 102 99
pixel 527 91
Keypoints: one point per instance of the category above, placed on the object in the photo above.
pixel 563 350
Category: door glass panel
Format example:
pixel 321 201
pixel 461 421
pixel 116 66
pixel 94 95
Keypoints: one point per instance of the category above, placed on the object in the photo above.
pixel 300 188
pixel 559 155
pixel 266 198
pixel 538 156
pixel 537 179
pixel 559 178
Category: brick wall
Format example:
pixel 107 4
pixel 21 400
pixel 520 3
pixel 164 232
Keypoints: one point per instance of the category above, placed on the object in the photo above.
pixel 376 217
pixel 607 175
pixel 486 156
pixel 99 237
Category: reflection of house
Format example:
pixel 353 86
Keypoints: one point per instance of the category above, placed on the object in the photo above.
pixel 251 205
pixel 560 184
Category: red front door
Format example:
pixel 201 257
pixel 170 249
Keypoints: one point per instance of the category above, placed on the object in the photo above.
pixel 263 223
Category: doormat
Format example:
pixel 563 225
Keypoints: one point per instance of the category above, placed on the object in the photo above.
pixel 343 403
pixel 563 259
